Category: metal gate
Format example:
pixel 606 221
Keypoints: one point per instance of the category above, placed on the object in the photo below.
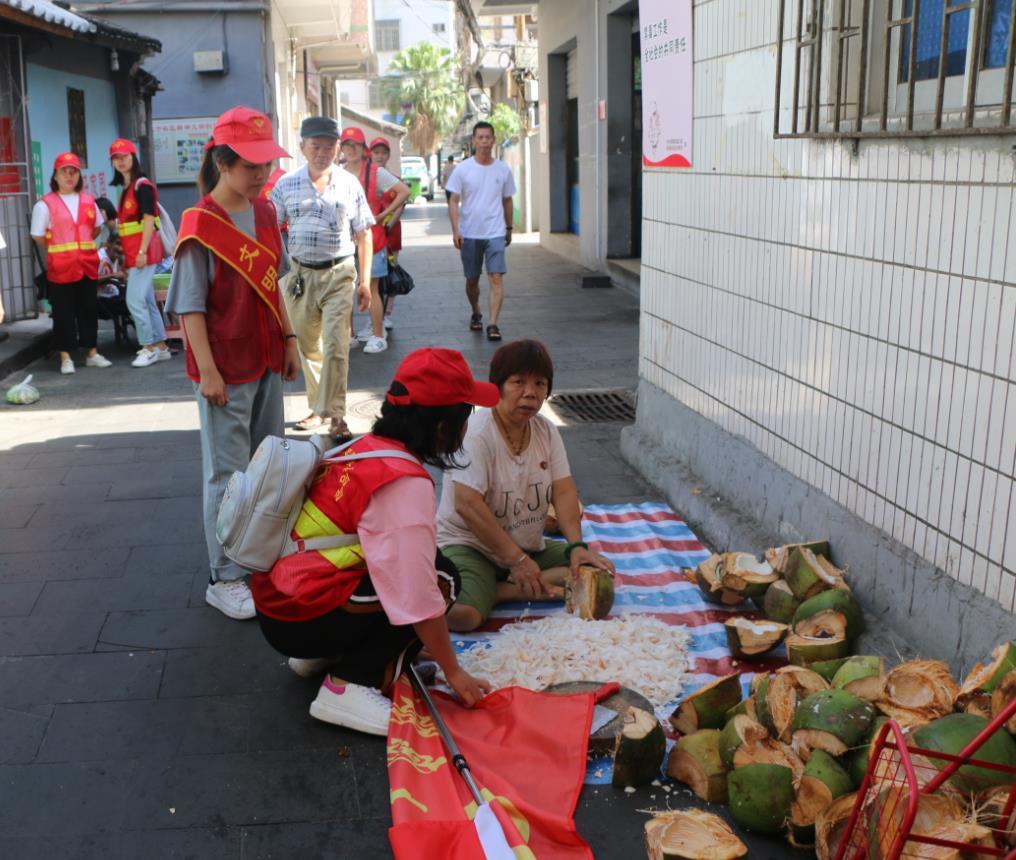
pixel 17 286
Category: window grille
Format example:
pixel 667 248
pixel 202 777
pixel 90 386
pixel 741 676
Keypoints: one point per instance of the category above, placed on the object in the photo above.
pixel 856 69
pixel 439 28
pixel 386 35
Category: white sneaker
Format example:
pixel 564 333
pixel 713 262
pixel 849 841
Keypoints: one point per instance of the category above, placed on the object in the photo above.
pixel 363 709
pixel 232 599
pixel 311 666
pixel 67 366
pixel 376 344
pixel 98 361
pixel 146 358
pixel 389 323
pixel 366 333
pixel 163 354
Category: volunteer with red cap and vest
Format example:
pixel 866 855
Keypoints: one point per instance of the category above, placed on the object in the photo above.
pixel 380 153
pixel 65 223
pixel 376 182
pixel 361 611
pixel 138 227
pixel 240 344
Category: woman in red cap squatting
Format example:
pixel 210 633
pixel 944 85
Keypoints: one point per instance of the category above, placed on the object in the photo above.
pixel 64 225
pixel 240 343
pixel 372 602
pixel 138 228
pixel 380 153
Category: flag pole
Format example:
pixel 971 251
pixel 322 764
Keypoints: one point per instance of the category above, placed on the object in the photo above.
pixel 458 759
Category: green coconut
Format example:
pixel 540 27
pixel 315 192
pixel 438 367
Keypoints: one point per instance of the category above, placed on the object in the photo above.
pixel 760 694
pixel 639 750
pixel 856 759
pixel 695 760
pixel 707 577
pixel 834 613
pixel 831 720
pixel 779 556
pixel 984 679
pixel 707 708
pixel 807 574
pixel 747 639
pixel 823 780
pixel 863 676
pixel 760 797
pixel 589 593
pixel 808 650
pixel 744 574
pixel 779 603
pixel 828 668
pixel 745 706
pixel 951 733
pixel 739 730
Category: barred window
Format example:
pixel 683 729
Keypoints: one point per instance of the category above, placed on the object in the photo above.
pixel 386 35
pixel 880 68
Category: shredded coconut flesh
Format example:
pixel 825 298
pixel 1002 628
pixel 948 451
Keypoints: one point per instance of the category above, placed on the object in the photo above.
pixel 638 651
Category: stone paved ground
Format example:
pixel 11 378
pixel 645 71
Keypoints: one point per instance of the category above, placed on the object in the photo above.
pixel 134 720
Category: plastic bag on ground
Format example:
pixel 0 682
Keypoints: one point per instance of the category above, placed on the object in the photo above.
pixel 23 393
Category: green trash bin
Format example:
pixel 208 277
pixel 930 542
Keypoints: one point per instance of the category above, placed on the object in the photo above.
pixel 414 187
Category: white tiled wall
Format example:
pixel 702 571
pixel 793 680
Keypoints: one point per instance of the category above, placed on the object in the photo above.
pixel 850 315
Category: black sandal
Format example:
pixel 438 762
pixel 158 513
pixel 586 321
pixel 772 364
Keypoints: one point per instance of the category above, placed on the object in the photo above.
pixel 493 332
pixel 476 322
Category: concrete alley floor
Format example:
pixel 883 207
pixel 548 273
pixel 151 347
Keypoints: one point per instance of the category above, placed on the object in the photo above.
pixel 135 720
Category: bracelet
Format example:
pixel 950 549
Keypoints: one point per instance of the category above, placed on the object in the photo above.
pixel 572 546
pixel 518 561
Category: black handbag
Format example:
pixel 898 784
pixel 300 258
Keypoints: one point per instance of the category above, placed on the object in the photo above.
pixel 398 282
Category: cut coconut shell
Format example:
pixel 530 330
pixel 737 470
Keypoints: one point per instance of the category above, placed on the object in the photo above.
pixel 863 676
pixel 1003 694
pixel 745 574
pixel 885 818
pixel 808 574
pixel 691 834
pixel 832 720
pixel 991 806
pixel 788 687
pixel 962 832
pixel 821 783
pixel 741 729
pixel 745 706
pixel 918 690
pixel 857 758
pixel 707 577
pixel 779 603
pixel 639 750
pixel 951 733
pixel 806 651
pixel 833 614
pixel 707 708
pixel 589 593
pixel 748 638
pixel 767 751
pixel 984 679
pixel 695 761
pixel 828 668
pixel 779 556
pixel 831 825
pixel 760 797
pixel 759 695
pixel 978 703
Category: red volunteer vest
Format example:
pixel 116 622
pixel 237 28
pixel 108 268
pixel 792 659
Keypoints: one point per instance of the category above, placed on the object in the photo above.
pixel 242 308
pixel 368 179
pixel 394 239
pixel 307 585
pixel 130 226
pixel 70 245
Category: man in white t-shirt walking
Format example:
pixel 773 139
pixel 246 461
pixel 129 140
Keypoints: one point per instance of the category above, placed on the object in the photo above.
pixel 483 187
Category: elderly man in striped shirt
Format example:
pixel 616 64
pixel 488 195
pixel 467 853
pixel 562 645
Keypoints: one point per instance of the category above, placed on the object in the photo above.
pixel 328 222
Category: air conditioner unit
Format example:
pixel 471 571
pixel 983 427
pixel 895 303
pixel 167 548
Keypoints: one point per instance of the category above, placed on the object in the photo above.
pixel 531 90
pixel 210 62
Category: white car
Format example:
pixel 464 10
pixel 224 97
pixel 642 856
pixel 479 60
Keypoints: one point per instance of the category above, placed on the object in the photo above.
pixel 414 167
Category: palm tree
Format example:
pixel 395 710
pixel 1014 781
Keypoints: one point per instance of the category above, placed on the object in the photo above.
pixel 424 87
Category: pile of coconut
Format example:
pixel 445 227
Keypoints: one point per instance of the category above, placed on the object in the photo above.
pixel 789 759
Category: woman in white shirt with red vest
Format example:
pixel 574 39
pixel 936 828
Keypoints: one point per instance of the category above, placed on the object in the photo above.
pixel 138 228
pixel 65 223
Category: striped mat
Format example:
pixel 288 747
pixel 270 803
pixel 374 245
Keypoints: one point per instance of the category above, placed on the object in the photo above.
pixel 652 548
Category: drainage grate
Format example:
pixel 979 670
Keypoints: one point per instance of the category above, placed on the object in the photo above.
pixel 595 406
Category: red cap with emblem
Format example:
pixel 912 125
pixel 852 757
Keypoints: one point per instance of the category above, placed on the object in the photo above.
pixel 120 146
pixel 353 133
pixel 440 377
pixel 249 134
pixel 380 141
pixel 67 159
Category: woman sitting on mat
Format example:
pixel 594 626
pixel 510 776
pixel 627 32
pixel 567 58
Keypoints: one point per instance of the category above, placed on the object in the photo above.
pixel 492 513
pixel 375 603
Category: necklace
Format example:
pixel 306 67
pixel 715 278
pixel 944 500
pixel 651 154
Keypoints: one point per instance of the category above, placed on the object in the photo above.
pixel 506 433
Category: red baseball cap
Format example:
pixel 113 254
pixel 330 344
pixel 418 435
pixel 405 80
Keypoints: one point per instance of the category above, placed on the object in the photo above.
pixel 67 159
pixel 353 133
pixel 120 146
pixel 381 141
pixel 249 134
pixel 440 377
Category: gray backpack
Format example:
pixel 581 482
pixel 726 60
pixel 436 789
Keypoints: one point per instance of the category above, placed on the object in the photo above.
pixel 262 503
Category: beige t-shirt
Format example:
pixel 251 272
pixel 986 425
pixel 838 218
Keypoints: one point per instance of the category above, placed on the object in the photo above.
pixel 517 489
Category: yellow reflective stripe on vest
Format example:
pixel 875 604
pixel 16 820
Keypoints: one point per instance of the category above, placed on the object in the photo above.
pixel 64 247
pixel 132 228
pixel 313 523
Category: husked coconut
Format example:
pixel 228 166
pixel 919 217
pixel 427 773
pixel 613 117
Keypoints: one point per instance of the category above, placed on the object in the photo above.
pixel 918 690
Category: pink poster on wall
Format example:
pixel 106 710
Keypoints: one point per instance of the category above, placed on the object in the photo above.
pixel 665 34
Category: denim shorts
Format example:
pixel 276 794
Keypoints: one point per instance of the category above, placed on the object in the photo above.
pixel 476 252
pixel 379 265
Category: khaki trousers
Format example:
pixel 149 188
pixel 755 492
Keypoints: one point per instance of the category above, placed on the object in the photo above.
pixel 320 319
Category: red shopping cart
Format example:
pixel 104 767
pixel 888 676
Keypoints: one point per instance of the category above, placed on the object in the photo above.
pixel 882 822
